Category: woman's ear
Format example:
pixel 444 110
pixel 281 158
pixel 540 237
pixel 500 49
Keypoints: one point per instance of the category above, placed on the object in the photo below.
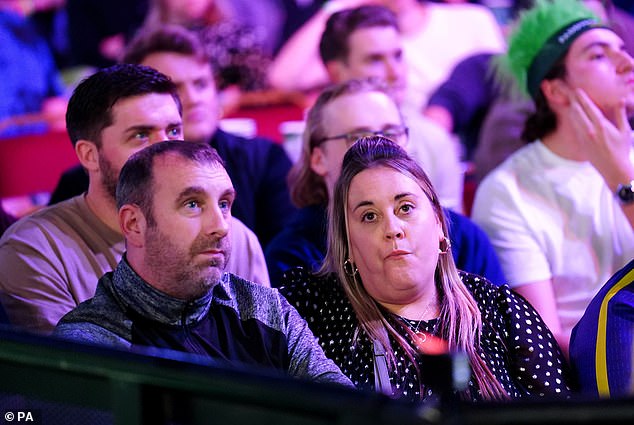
pixel 133 225
pixel 88 154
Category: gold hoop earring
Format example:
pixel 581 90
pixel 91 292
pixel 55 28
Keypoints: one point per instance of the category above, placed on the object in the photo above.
pixel 445 245
pixel 350 268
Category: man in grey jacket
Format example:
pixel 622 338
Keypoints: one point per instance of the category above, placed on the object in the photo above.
pixel 170 289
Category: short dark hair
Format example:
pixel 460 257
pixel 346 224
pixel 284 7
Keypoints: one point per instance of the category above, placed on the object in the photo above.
pixel 166 38
pixel 334 40
pixel 90 106
pixel 135 184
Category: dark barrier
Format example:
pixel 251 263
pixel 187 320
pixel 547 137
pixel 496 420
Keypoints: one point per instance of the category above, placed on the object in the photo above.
pixel 62 382
pixel 57 382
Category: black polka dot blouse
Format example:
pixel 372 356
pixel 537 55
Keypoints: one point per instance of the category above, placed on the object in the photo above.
pixel 515 343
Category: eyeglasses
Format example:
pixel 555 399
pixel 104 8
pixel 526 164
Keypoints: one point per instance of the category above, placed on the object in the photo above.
pixel 393 133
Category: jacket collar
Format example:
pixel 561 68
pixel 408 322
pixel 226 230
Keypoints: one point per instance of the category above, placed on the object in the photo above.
pixel 138 295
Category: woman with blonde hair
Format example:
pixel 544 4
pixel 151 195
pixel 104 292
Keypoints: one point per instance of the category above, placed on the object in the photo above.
pixel 389 285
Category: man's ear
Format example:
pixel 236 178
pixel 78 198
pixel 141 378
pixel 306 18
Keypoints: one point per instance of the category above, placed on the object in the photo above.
pixel 318 161
pixel 133 225
pixel 556 92
pixel 336 71
pixel 88 154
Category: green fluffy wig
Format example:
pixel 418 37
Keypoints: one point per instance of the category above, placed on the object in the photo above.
pixel 540 37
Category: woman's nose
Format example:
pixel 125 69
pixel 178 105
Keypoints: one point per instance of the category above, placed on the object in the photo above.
pixel 394 230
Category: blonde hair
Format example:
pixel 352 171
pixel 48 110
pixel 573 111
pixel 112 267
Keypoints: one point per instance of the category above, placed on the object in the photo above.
pixel 460 321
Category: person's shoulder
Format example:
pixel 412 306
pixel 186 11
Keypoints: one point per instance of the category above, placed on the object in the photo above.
pixel 101 311
pixel 488 295
pixel 518 166
pixel 48 220
pixel 616 293
pixel 233 141
pixel 253 151
pixel 237 292
pixel 479 285
pixel 240 232
pixel 524 167
pixel 304 275
pixel 302 282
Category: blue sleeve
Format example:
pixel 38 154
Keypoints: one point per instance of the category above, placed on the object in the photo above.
pixel 601 342
pixel 472 249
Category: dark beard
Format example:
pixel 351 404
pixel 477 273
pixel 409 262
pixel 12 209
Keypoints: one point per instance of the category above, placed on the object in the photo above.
pixel 109 176
pixel 185 280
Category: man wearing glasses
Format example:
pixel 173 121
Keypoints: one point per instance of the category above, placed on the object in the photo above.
pixel 341 114
pixel 365 42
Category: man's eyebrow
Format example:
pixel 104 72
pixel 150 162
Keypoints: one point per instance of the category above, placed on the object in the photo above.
pixel 190 191
pixel 602 44
pixel 197 191
pixel 139 128
pixel 229 192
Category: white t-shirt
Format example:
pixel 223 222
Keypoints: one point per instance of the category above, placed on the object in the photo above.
pixel 552 218
pixel 451 33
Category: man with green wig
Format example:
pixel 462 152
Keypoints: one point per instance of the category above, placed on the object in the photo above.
pixel 560 210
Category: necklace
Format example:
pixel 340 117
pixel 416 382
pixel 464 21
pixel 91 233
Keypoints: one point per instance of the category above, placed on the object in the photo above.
pixel 426 342
pixel 422 336
pixel 429 305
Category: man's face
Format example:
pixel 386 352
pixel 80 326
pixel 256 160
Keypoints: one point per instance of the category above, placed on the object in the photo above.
pixel 187 241
pixel 365 111
pixel 598 64
pixel 138 122
pixel 374 52
pixel 196 89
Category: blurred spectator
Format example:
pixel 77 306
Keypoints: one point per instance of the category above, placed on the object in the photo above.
pixel 365 42
pixel 430 48
pixel 257 167
pixel 557 210
pixel 266 17
pixel 342 113
pixel 501 129
pixel 31 89
pixel 236 51
pixel 237 55
pixel 461 103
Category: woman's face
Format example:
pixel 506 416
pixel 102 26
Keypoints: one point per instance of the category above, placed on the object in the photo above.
pixel 394 235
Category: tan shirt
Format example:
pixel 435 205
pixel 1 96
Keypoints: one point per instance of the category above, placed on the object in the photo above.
pixel 51 261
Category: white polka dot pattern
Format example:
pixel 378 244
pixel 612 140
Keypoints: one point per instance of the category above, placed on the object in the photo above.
pixel 518 348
